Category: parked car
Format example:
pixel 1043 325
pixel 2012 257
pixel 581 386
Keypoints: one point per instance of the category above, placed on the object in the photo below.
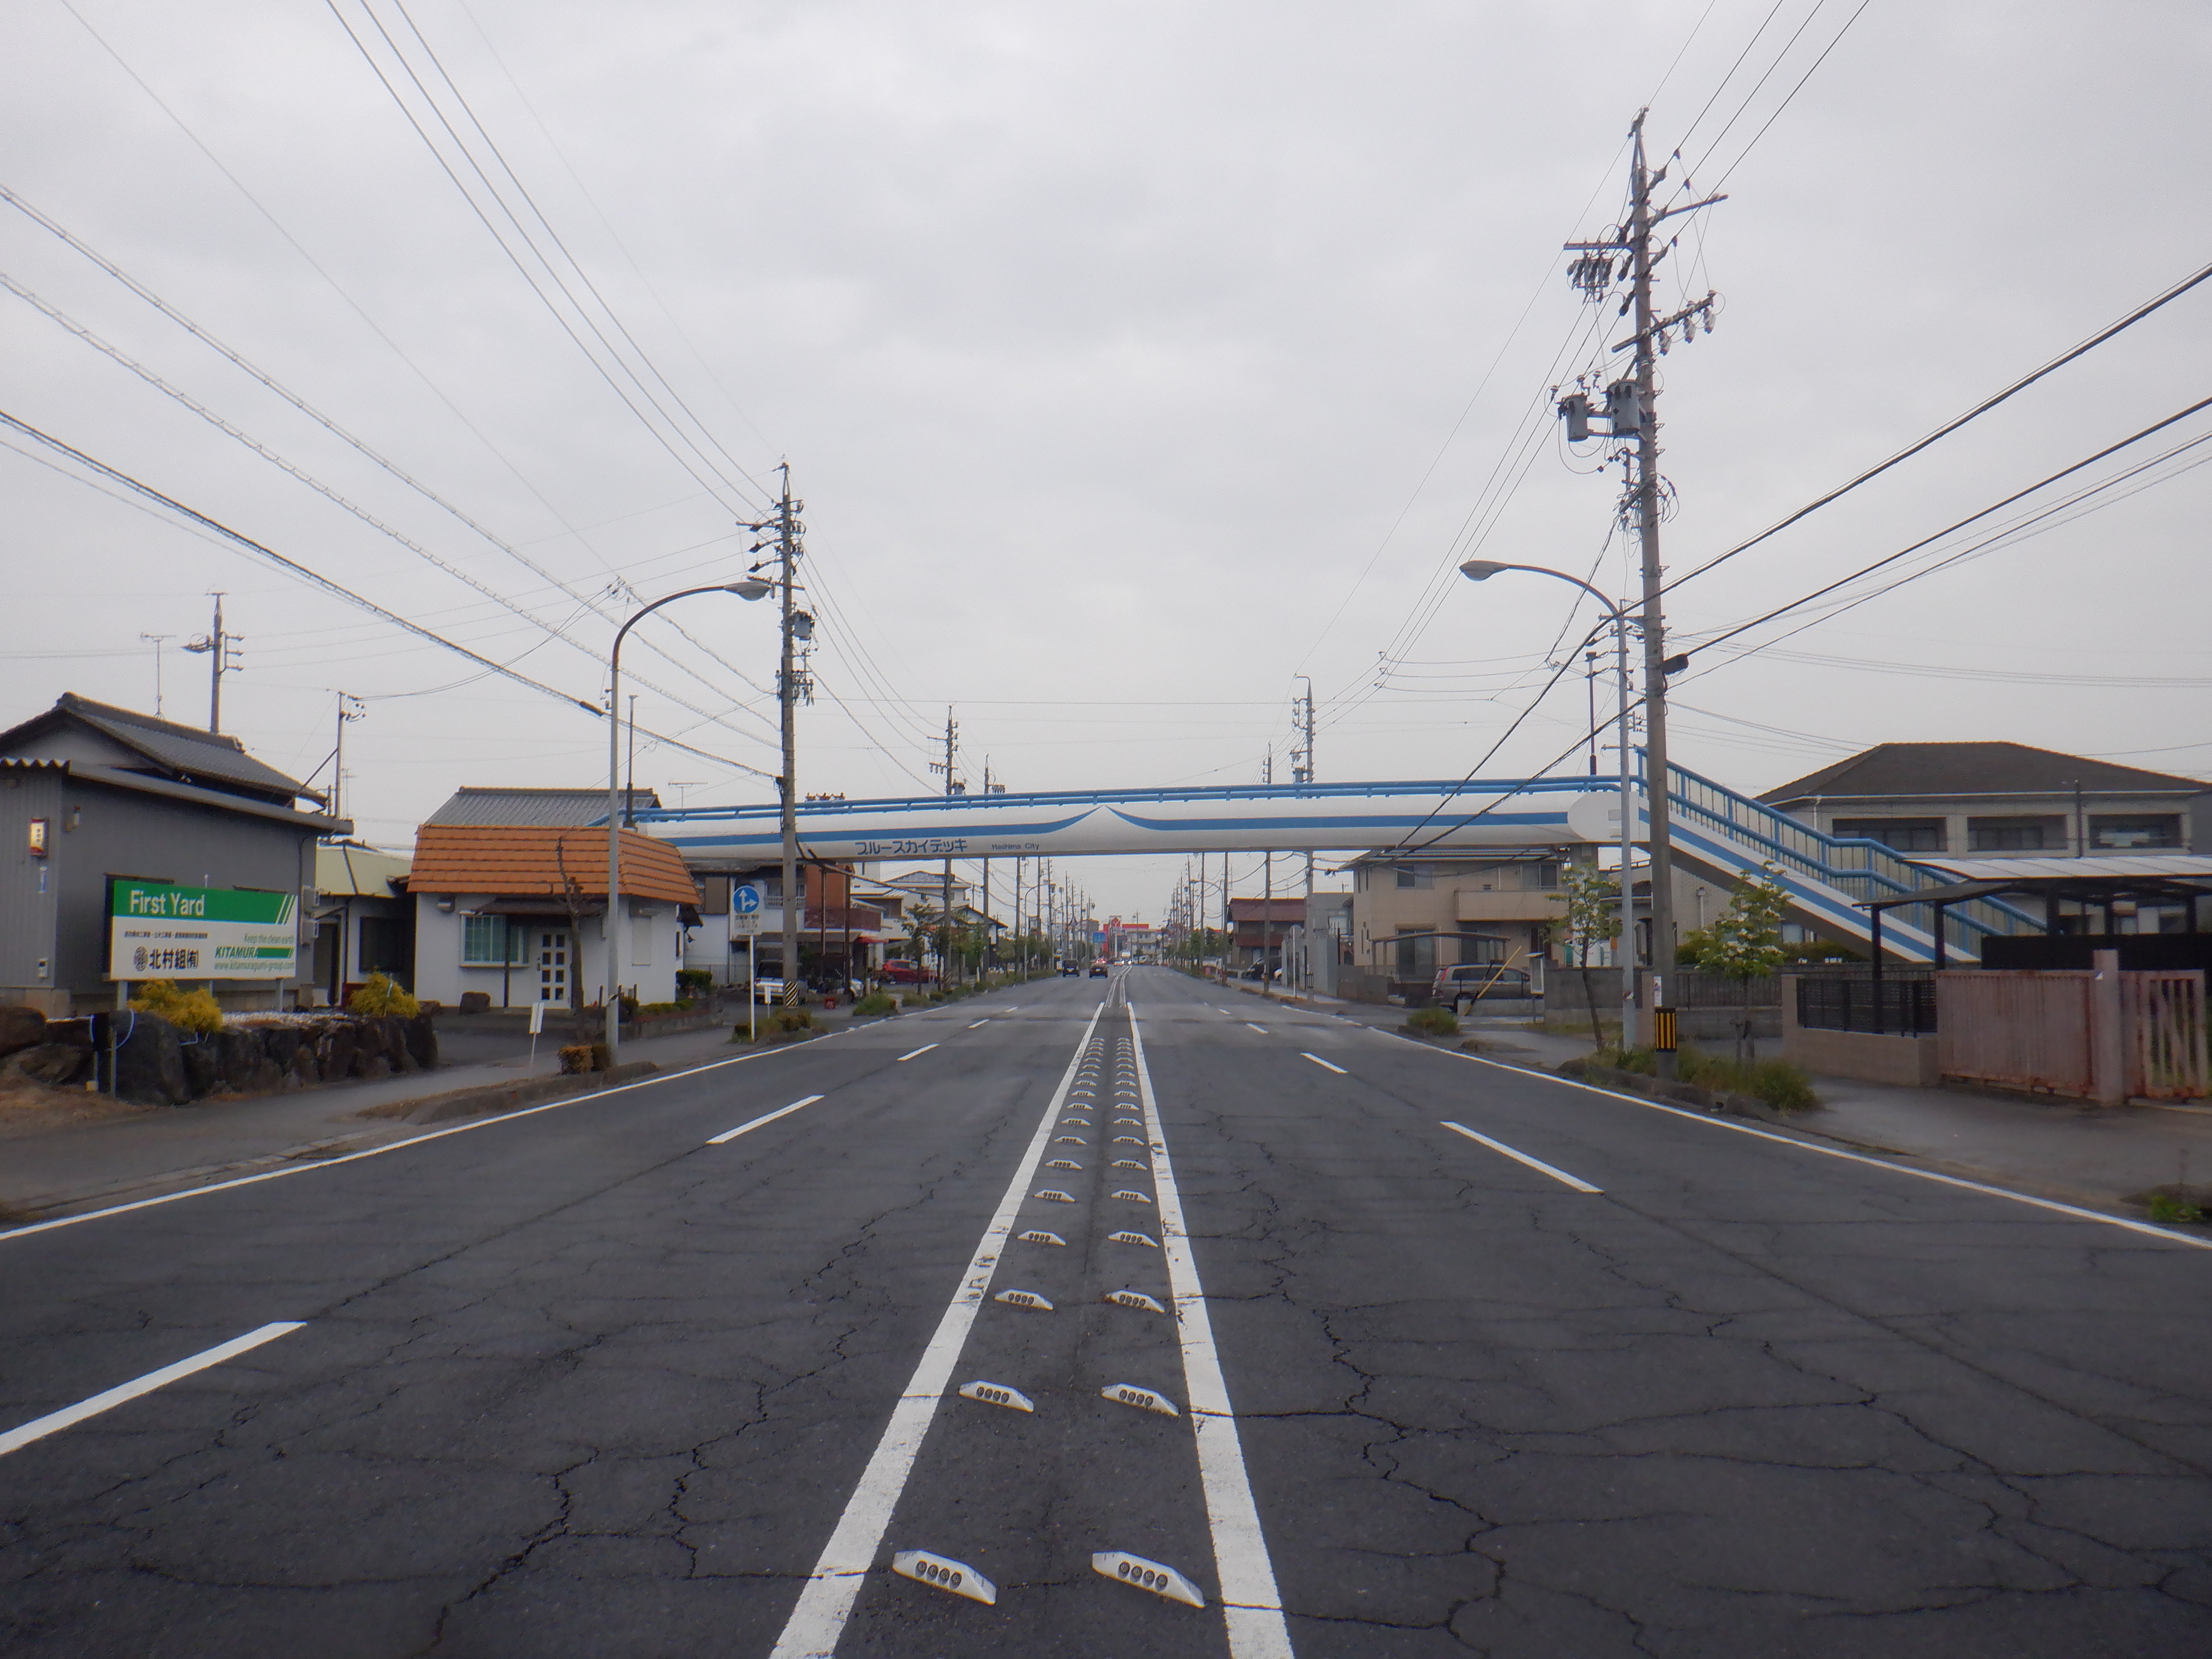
pixel 1480 980
pixel 898 971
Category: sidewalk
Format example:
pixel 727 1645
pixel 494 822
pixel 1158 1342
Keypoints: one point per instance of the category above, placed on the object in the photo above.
pixel 49 1171
pixel 2102 1157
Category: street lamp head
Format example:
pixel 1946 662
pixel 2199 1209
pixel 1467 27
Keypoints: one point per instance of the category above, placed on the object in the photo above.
pixel 1477 570
pixel 752 589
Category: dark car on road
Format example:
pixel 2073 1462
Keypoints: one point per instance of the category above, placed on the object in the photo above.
pixel 1100 970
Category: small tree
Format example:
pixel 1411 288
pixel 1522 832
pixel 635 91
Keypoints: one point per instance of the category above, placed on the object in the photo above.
pixel 1744 941
pixel 1592 896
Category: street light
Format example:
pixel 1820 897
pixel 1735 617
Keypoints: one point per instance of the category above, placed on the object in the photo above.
pixel 1478 570
pixel 752 587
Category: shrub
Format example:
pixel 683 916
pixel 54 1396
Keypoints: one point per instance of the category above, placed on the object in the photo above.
pixel 693 981
pixel 789 1022
pixel 382 996
pixel 577 1058
pixel 1778 1083
pixel 875 1003
pixel 1433 1022
pixel 1626 1060
pixel 188 1011
pixel 2165 1207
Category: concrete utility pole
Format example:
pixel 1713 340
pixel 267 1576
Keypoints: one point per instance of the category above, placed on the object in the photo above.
pixel 945 913
pixel 788 552
pixel 1632 413
pixel 221 651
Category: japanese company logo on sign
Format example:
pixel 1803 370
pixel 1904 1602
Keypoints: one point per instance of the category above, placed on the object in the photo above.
pixel 158 932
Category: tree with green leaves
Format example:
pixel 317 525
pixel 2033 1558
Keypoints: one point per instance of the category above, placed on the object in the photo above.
pixel 1592 896
pixel 1744 941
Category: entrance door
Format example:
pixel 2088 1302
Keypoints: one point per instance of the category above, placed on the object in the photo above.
pixel 553 965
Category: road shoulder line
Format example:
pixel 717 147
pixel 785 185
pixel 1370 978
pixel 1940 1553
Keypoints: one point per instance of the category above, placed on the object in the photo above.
pixel 55 1422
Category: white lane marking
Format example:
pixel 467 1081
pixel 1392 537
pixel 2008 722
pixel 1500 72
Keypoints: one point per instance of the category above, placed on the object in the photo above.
pixel 743 1128
pixel 411 1140
pixel 54 1422
pixel 826 1602
pixel 1318 1060
pixel 1249 1600
pixel 972 1023
pixel 1537 1164
pixel 924 1050
pixel 1713 1122
pixel 1261 1030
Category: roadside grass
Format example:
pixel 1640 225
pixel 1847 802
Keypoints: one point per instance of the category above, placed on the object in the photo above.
pixel 1433 1022
pixel 1780 1084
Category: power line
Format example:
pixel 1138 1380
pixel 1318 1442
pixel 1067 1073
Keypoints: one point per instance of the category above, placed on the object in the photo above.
pixel 1892 558
pixel 1949 427
pixel 1785 103
pixel 316 580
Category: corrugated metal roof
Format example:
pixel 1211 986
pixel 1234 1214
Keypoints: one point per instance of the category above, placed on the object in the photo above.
pixel 200 756
pixel 343 872
pixel 548 809
pixel 523 859
pixel 2094 867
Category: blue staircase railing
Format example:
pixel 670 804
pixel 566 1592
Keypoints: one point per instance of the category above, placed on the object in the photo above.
pixel 1853 866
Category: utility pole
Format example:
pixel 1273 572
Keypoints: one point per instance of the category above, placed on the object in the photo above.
pixel 1632 417
pixel 1304 774
pixel 783 534
pixel 945 913
pixel 154 640
pixel 1267 890
pixel 221 652
pixel 337 770
pixel 629 782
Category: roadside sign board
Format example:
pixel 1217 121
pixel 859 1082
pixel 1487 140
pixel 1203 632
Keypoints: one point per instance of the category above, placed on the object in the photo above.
pixel 744 911
pixel 159 932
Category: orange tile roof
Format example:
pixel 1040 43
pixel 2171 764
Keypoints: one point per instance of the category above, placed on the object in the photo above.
pixel 459 858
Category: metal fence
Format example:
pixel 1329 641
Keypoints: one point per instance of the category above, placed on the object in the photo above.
pixel 1901 1003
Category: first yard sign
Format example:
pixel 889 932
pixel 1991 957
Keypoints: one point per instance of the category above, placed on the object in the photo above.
pixel 159 932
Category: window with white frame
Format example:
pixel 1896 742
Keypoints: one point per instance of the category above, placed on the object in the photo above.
pixel 488 942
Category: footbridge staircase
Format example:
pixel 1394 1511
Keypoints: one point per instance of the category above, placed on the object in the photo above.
pixel 1720 834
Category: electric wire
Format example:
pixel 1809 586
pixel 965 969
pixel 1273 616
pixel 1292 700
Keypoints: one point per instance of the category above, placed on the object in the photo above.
pixel 316 580
pixel 2108 333
pixel 1787 99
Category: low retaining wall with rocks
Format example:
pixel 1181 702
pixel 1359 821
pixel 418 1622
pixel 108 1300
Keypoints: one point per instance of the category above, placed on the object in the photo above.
pixel 143 1059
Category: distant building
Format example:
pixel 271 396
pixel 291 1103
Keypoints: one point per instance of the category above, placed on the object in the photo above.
pixel 364 921
pixel 91 794
pixel 1965 798
pixel 543 809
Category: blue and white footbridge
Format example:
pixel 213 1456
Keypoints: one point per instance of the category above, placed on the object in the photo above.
pixel 1716 833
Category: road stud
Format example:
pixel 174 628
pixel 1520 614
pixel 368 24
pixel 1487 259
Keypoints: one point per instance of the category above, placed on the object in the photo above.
pixel 944 1573
pixel 1051 1196
pixel 1134 1570
pixel 1131 1238
pixel 1126 1196
pixel 1023 1299
pixel 1038 1236
pixel 1134 1299
pixel 997 1394
pixel 1145 1400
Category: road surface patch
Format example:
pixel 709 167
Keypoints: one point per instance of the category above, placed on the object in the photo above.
pixel 1140 1574
pixel 68 1416
pixel 728 1135
pixel 943 1573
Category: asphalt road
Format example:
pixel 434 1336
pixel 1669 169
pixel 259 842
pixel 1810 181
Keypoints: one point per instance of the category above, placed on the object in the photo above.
pixel 1580 1375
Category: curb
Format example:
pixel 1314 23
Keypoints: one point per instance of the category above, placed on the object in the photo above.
pixel 504 1097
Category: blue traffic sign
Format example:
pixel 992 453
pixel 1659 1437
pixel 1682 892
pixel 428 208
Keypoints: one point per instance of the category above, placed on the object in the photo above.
pixel 744 900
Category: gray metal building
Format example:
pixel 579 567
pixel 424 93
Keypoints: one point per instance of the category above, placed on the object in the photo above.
pixel 89 791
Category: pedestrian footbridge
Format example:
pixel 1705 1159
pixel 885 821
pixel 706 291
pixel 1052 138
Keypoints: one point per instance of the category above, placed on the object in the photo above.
pixel 1716 833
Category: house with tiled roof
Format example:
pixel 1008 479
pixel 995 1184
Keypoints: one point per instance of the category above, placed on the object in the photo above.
pixel 519 914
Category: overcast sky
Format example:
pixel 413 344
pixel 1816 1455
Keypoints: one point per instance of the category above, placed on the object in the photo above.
pixel 1133 361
